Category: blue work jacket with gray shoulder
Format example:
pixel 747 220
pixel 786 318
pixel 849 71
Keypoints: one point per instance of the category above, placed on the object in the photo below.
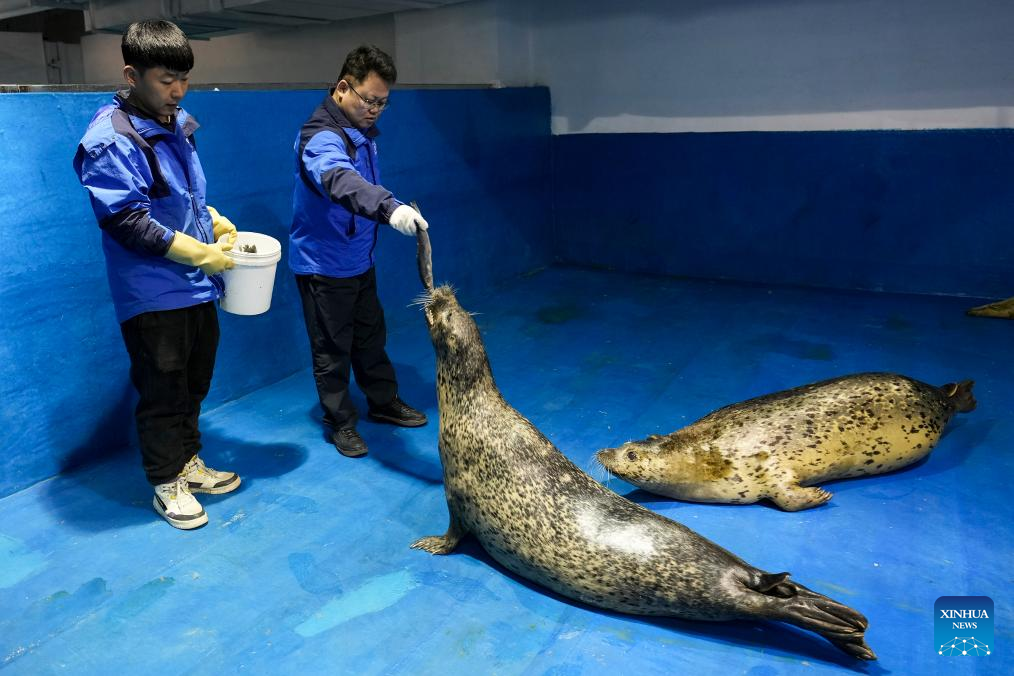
pixel 146 182
pixel 337 201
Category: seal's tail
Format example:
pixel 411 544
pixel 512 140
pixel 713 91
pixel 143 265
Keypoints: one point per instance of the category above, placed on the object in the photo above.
pixel 960 395
pixel 795 604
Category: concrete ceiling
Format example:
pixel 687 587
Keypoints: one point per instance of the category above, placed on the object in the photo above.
pixel 211 18
pixel 15 8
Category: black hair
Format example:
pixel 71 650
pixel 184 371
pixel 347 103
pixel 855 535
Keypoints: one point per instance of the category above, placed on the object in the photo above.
pixel 147 44
pixel 365 59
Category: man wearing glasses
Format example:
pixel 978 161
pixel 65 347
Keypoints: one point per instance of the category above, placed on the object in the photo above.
pixel 337 205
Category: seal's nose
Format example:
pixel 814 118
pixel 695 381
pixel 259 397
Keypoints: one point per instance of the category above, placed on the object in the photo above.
pixel 604 456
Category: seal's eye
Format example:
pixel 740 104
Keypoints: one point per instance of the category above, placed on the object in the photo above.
pixel 632 455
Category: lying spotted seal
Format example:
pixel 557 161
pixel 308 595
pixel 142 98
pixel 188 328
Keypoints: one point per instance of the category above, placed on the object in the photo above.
pixel 1004 309
pixel 543 518
pixel 772 446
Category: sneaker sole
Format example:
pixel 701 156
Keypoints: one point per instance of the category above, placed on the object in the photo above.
pixel 216 490
pixel 352 454
pixel 188 524
pixel 397 421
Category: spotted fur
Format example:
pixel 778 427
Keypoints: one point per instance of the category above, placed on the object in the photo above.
pixel 544 519
pixel 780 445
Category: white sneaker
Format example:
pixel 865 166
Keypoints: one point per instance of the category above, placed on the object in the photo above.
pixel 177 506
pixel 203 479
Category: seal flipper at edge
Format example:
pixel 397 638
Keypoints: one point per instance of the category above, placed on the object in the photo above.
pixel 442 544
pixel 792 497
pixel 788 601
pixel 771 584
pixel 959 395
pixel 1003 309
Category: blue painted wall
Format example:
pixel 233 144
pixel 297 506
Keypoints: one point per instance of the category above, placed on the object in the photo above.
pixel 905 211
pixel 923 212
pixel 477 161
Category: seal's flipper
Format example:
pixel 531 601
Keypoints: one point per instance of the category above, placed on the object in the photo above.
pixel 844 627
pixel 1003 309
pixel 442 544
pixel 437 544
pixel 772 585
pixel 959 395
pixel 793 497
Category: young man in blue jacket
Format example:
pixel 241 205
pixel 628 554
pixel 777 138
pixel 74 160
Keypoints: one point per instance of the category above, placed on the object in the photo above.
pixel 338 203
pixel 138 161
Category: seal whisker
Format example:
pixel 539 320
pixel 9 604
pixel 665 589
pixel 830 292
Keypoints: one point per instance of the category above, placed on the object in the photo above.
pixel 598 471
pixel 423 300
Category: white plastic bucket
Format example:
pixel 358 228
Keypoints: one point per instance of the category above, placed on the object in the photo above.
pixel 249 284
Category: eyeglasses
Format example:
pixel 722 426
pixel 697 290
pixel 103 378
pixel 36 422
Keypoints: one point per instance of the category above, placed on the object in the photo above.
pixel 379 104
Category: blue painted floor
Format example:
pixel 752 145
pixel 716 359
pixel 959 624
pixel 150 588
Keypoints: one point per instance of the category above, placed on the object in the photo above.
pixel 307 569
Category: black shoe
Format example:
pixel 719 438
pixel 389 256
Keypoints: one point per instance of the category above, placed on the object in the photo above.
pixel 349 443
pixel 399 413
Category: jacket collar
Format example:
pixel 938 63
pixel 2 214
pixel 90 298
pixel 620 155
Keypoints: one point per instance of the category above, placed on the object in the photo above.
pixel 147 125
pixel 357 135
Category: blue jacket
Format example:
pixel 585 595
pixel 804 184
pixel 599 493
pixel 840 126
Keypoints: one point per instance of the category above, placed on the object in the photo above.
pixel 145 183
pixel 337 200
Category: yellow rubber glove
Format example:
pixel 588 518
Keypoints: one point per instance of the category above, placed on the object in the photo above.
pixel 208 257
pixel 222 225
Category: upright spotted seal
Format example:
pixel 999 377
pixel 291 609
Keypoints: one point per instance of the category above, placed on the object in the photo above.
pixel 544 519
pixel 771 447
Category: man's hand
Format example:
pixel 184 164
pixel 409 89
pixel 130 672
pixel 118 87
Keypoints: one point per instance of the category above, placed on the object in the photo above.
pixel 221 226
pixel 406 220
pixel 208 257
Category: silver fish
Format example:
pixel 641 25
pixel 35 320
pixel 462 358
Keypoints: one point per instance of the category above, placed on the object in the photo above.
pixel 424 254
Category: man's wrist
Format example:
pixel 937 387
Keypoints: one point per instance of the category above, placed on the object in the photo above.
pixel 387 208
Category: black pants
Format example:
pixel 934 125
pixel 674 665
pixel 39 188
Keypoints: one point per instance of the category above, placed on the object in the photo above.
pixel 172 356
pixel 345 323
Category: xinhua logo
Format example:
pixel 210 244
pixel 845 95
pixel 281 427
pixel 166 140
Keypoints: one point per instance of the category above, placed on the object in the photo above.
pixel 963 626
